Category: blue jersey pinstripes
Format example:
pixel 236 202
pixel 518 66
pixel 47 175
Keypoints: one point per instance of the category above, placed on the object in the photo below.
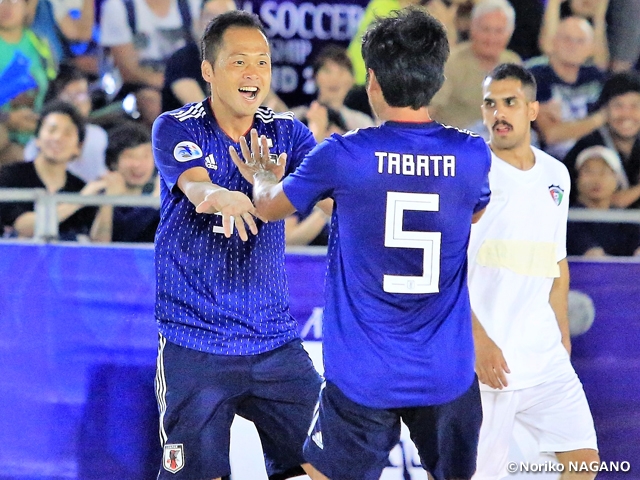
pixel 213 294
pixel 397 319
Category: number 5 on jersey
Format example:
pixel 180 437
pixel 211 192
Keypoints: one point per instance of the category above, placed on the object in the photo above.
pixel 429 242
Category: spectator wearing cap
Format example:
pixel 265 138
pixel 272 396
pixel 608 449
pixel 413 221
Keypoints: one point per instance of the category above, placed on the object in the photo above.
pixel 600 175
pixel 620 102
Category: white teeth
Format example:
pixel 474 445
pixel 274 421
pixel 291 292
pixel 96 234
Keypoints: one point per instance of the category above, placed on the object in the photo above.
pixel 248 89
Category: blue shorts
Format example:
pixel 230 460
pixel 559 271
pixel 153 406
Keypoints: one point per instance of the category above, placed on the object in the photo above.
pixel 349 441
pixel 199 393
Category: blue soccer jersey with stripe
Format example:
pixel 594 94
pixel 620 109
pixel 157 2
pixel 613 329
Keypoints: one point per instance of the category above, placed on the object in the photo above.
pixel 216 294
pixel 397 319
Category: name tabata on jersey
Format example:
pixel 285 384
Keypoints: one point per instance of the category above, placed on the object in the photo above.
pixel 416 165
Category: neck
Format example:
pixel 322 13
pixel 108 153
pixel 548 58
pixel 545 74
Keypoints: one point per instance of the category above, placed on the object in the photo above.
pixel 600 204
pixel 234 126
pixel 52 174
pixel 623 145
pixel 520 157
pixel 12 35
pixel 566 71
pixel 403 114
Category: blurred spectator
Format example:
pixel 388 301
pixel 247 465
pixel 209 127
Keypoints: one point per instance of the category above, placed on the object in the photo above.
pixel 524 40
pixel 140 35
pixel 458 101
pixel 72 86
pixel 568 88
pixel 183 82
pixel 620 100
pixel 66 24
pixel 624 34
pixel 26 67
pixel 130 160
pixel 324 121
pixel 333 75
pixel 312 229
pixel 594 11
pixel 600 174
pixel 59 133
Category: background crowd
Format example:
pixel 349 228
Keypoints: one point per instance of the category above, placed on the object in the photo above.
pixel 82 82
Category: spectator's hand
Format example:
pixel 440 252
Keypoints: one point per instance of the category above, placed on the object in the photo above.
pixel 95 187
pixel 115 184
pixel 553 110
pixel 256 159
pixel 595 252
pixel 235 207
pixel 491 366
pixel 318 120
pixel 22 120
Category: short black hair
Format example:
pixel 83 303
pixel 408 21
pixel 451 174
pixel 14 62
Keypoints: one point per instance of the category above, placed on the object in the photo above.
pixel 332 53
pixel 123 137
pixel 619 84
pixel 67 74
pixel 212 37
pixel 64 108
pixel 516 72
pixel 407 52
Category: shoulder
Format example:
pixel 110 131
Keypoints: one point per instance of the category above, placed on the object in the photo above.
pixel 74 183
pixel 17 171
pixel 549 162
pixel 186 117
pixel 509 56
pixel 267 115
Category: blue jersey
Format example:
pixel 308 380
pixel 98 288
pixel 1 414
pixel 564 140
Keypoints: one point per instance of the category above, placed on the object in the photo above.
pixel 397 320
pixel 216 294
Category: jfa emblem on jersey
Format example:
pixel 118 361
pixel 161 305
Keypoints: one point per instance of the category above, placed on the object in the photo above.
pixel 210 162
pixel 556 193
pixel 186 151
pixel 173 457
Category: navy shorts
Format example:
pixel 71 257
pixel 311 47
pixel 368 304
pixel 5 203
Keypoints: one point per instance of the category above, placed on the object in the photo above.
pixel 349 441
pixel 199 393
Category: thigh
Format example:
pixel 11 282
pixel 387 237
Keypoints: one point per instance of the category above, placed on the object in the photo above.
pixel 558 414
pixel 498 420
pixel 197 395
pixel 446 435
pixel 284 392
pixel 348 441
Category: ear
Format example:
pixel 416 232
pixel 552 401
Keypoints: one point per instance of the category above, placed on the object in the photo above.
pixel 372 81
pixel 534 109
pixel 207 71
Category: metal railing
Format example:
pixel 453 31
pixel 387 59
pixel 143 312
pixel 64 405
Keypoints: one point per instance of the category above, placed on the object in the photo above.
pixel 46 226
pixel 45 203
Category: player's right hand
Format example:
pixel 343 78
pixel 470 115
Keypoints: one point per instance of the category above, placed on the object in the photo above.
pixel 234 207
pixel 491 365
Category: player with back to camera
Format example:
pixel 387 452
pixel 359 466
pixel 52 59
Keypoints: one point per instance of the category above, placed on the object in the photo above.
pixel 228 344
pixel 397 333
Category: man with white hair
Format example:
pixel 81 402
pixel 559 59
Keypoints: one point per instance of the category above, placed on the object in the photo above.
pixel 492 23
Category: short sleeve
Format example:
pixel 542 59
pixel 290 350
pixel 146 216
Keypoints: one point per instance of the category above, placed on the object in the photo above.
pixel 174 149
pixel 314 179
pixel 485 190
pixel 303 143
pixel 114 25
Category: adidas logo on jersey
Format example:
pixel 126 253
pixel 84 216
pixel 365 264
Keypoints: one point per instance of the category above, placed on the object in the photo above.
pixel 317 439
pixel 210 162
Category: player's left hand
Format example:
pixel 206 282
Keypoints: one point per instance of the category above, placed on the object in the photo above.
pixel 256 158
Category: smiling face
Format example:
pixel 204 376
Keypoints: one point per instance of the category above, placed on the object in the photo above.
pixel 58 139
pixel 507 112
pixel 334 82
pixel 240 77
pixel 136 165
pixel 623 115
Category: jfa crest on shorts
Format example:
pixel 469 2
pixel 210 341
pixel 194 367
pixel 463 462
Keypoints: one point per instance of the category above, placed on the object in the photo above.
pixel 173 457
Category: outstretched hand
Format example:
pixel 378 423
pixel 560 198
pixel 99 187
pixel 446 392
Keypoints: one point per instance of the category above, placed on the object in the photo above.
pixel 236 209
pixel 256 158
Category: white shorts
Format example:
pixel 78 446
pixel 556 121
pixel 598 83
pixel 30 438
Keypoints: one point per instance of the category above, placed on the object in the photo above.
pixel 556 413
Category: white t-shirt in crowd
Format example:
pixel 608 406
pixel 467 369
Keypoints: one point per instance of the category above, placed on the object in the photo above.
pixel 156 37
pixel 514 252
pixel 91 163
